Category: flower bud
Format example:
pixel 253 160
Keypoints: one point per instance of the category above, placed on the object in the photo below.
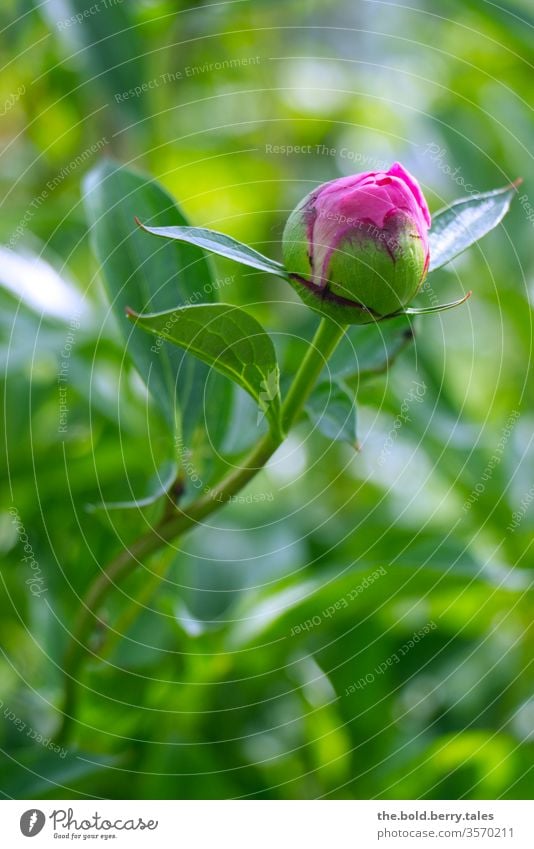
pixel 356 248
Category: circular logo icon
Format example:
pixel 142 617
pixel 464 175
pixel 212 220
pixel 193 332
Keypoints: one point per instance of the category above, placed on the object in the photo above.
pixel 32 822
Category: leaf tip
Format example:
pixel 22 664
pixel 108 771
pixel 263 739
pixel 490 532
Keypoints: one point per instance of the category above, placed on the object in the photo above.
pixel 140 223
pixel 131 314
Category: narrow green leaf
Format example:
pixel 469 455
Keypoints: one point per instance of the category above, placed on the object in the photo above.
pixel 460 225
pixel 368 350
pixel 332 410
pixel 439 308
pixel 219 243
pixel 109 47
pixel 159 487
pixel 149 277
pixel 228 339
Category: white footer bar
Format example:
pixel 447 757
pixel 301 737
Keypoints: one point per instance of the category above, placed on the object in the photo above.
pixel 268 824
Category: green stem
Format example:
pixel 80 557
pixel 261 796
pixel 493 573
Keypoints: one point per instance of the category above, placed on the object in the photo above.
pixel 174 525
pixel 319 350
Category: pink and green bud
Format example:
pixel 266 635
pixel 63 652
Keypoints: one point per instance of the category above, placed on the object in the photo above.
pixel 356 248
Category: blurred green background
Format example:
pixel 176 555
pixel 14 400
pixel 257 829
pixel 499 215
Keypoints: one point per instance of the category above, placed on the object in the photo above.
pixel 205 684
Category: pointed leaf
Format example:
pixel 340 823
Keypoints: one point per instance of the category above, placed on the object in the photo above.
pixel 228 339
pixel 439 308
pixel 333 411
pixel 149 277
pixel 460 225
pixel 219 243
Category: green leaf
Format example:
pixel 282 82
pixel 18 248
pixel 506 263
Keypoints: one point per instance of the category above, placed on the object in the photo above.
pixel 108 47
pixel 219 243
pixel 149 278
pixel 368 350
pixel 159 487
pixel 460 225
pixel 228 339
pixel 438 308
pixel 332 410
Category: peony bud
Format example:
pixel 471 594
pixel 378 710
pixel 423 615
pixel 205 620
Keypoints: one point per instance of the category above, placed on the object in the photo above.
pixel 356 248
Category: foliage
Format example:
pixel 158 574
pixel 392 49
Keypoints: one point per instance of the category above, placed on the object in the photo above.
pixel 256 657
